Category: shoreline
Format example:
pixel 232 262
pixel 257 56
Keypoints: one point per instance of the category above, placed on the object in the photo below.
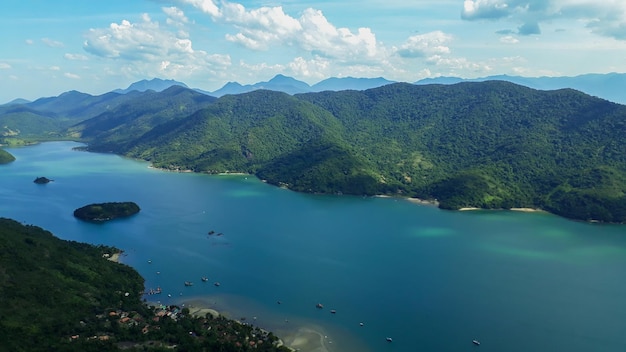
pixel 303 338
pixel 114 257
pixel 523 210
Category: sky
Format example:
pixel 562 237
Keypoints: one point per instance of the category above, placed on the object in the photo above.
pixel 49 47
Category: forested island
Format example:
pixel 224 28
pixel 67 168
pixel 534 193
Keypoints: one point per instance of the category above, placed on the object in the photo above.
pixel 42 180
pixel 491 145
pixel 101 212
pixel 6 157
pixel 66 296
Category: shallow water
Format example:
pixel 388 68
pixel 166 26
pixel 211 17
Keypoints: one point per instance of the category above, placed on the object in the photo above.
pixel 432 280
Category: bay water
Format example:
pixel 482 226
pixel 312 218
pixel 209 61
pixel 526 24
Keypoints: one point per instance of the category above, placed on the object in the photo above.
pixel 431 280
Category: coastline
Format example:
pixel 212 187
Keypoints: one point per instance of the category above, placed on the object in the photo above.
pixel 302 338
pixel 523 210
pixel 114 257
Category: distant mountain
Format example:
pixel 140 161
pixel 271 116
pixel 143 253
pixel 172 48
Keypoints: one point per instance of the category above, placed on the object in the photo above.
pixel 345 83
pixel 155 84
pixel 611 86
pixel 16 102
pixel 289 85
pixel 133 118
pixel 279 83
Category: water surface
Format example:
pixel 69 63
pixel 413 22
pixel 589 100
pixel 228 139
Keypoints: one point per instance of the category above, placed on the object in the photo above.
pixel 432 280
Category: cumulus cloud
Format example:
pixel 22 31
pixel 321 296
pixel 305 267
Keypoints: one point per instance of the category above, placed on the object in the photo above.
pixel 152 49
pixel 4 66
pixel 423 45
pixel 607 17
pixel 264 27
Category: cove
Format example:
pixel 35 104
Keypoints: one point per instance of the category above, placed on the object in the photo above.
pixel 432 280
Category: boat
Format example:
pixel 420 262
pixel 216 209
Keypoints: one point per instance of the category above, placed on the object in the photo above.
pixel 319 305
pixel 389 339
pixel 476 342
pixel 205 279
pixel 332 311
pixel 188 283
pixel 216 284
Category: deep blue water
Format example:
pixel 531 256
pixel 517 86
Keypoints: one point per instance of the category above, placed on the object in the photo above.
pixel 431 279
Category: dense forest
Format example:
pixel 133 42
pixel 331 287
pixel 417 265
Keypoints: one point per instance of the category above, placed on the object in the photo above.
pixel 66 296
pixel 6 157
pixel 494 144
pixel 100 212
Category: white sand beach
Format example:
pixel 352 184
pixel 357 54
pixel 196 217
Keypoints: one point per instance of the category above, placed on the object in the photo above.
pixel 306 339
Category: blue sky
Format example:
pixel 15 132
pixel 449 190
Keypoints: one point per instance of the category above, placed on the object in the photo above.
pixel 49 47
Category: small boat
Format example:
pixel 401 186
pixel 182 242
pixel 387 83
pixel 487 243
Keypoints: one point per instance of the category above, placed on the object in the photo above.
pixel 319 306
pixel 476 342
pixel 332 311
pixel 188 283
pixel 389 339
pixel 361 324
pixel 205 279
pixel 216 284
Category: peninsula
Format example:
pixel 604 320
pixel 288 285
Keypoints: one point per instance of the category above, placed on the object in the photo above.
pixel 102 212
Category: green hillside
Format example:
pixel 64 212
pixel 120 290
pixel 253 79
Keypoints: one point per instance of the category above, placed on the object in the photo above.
pixel 66 296
pixel 131 119
pixel 491 144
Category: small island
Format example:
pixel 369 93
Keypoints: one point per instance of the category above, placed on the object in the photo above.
pixel 102 212
pixel 42 180
pixel 6 157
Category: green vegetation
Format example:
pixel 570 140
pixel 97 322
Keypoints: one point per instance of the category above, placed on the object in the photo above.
pixel 490 144
pixel 6 157
pixel 66 296
pixel 106 211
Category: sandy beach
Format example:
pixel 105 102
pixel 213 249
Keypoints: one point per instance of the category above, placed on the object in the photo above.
pixel 528 210
pixel 298 338
pixel 306 339
pixel 115 257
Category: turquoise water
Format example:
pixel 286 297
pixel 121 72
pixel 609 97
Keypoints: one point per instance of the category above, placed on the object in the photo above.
pixel 432 280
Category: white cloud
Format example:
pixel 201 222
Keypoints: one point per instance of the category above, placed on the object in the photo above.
pixel 152 50
pixel 4 66
pixel 29 41
pixel 52 43
pixel 54 68
pixel 206 6
pixel 265 27
pixel 606 17
pixel 71 75
pixel 509 39
pixel 423 45
pixel 175 16
pixel 317 68
pixel 75 57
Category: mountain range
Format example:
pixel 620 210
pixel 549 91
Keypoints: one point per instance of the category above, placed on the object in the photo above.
pixel 491 144
pixel 610 86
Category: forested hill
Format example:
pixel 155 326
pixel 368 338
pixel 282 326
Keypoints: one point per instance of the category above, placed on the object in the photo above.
pixel 490 144
pixel 66 296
